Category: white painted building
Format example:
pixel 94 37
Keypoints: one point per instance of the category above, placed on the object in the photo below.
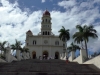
pixel 45 43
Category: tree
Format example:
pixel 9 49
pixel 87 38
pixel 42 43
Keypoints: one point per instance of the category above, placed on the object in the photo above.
pixel 84 34
pixel 24 49
pixel 64 36
pixel 2 46
pixel 13 47
pixel 78 36
pixel 16 46
pixel 72 47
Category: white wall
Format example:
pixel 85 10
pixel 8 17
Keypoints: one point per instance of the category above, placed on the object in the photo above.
pixel 95 61
pixel 41 46
pixel 1 60
pixel 71 58
pixel 80 59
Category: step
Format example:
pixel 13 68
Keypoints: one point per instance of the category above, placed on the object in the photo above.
pixel 45 73
pixel 45 66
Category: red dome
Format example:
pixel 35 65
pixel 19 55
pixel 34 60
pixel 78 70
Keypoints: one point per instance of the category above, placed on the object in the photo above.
pixel 29 31
pixel 46 13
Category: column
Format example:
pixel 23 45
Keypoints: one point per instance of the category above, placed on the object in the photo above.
pixel 41 46
pixel 7 55
pixel 50 47
pixel 18 55
pixel 72 55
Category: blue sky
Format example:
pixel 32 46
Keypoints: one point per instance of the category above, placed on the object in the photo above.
pixel 18 16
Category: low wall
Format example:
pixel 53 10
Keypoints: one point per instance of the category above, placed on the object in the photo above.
pixel 78 59
pixel 95 61
pixel 1 60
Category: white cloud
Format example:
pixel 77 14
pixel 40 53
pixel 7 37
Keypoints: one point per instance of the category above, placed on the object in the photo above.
pixel 43 1
pixel 22 22
pixel 67 4
pixel 83 13
pixel 15 22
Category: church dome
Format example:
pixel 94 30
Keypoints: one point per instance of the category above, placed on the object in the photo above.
pixel 29 31
pixel 46 13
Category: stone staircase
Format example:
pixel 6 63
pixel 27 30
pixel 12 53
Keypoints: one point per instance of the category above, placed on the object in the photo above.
pixel 46 67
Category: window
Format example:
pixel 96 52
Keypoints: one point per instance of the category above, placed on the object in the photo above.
pixel 57 43
pixel 49 21
pixel 63 44
pixel 43 21
pixel 43 33
pixel 48 33
pixel 46 20
pixel 27 44
pixel 34 42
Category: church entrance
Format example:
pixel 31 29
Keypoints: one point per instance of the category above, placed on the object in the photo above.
pixel 45 54
pixel 34 54
pixel 56 55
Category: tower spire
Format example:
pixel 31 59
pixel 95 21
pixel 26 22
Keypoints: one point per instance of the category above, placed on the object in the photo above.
pixel 46 23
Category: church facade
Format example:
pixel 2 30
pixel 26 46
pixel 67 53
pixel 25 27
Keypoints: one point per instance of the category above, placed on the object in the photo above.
pixel 45 43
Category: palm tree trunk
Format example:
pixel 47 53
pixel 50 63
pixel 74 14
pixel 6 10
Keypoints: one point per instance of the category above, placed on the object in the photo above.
pixel 86 49
pixel 82 45
pixel 66 49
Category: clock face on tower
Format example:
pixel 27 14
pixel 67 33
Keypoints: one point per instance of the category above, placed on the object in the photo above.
pixel 45 41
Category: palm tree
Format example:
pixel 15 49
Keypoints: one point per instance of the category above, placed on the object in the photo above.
pixel 16 46
pixel 84 33
pixel 89 31
pixel 64 36
pixel 13 46
pixel 2 46
pixel 24 49
pixel 73 47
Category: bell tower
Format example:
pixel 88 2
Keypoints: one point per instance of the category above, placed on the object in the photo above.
pixel 46 24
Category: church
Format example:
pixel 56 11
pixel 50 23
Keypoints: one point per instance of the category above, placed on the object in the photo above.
pixel 45 42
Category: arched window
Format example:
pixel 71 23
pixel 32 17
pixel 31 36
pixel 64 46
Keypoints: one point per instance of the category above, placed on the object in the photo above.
pixel 34 42
pixel 48 33
pixel 63 45
pixel 43 20
pixel 49 21
pixel 45 32
pixel 27 44
pixel 56 42
pixel 46 20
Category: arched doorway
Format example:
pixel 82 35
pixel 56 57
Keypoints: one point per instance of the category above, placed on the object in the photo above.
pixel 34 54
pixel 56 55
pixel 45 54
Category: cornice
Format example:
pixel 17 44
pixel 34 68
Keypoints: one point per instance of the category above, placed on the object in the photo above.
pixel 43 46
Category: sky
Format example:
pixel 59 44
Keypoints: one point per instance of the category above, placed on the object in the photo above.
pixel 19 16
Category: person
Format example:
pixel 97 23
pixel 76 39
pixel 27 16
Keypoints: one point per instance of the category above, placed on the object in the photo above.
pixel 48 58
pixel 40 58
pixel 67 59
pixel 43 56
